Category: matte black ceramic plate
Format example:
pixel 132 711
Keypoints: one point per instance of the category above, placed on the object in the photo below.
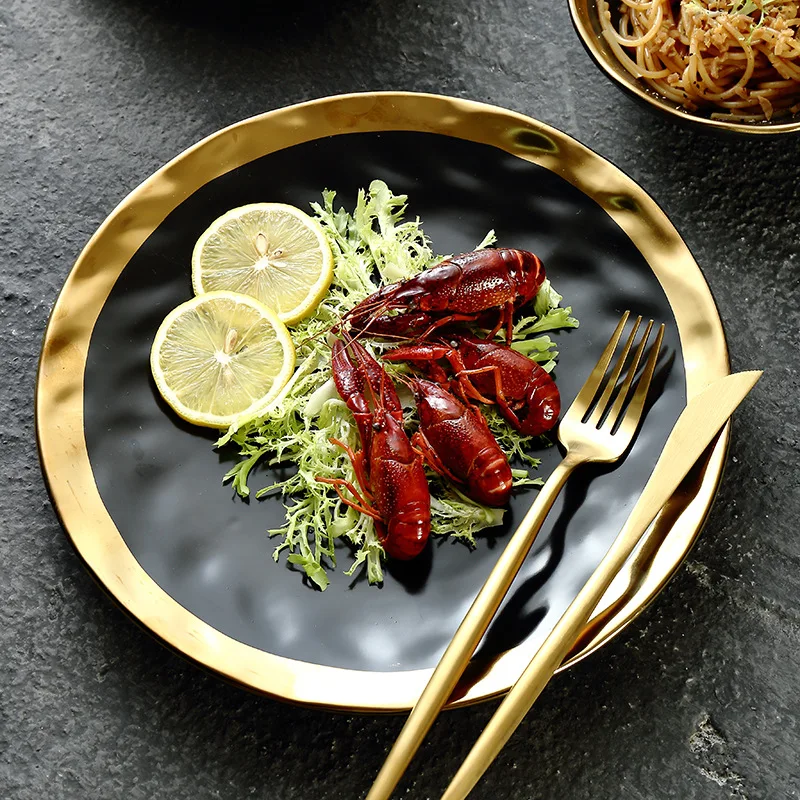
pixel 140 491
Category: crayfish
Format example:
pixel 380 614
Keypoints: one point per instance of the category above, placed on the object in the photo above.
pixel 463 288
pixel 457 443
pixel 484 287
pixel 389 472
pixel 488 372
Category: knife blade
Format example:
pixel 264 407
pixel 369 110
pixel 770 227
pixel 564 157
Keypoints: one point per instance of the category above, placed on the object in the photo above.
pixel 701 420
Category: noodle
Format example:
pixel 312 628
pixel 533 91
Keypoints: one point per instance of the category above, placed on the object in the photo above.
pixel 738 58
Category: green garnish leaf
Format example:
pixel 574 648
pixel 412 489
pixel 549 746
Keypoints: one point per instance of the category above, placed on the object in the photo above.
pixel 546 299
pixel 240 473
pixel 548 315
pixel 540 348
pixel 313 569
pixel 487 240
pixel 744 7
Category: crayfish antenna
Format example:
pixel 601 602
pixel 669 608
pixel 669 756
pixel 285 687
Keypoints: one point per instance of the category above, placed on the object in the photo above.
pixel 376 302
pixel 369 311
pixel 335 327
pixel 408 382
pixel 311 338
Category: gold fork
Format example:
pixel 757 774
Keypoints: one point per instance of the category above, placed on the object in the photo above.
pixel 594 429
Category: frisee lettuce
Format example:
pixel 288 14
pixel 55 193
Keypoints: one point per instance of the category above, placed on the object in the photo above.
pixel 372 246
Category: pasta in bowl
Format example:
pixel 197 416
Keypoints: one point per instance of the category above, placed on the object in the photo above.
pixel 727 63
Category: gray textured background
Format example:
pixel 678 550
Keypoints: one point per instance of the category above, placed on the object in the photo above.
pixel 698 699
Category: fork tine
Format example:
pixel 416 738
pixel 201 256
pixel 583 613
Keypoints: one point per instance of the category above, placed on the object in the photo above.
pixel 595 379
pixel 634 411
pixel 612 379
pixel 619 403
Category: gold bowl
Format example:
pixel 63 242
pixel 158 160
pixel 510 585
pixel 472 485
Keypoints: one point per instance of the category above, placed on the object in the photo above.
pixel 585 18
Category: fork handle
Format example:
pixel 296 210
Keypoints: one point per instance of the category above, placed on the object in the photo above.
pixel 469 634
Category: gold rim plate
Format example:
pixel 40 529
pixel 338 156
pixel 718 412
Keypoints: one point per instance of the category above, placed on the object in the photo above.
pixel 59 400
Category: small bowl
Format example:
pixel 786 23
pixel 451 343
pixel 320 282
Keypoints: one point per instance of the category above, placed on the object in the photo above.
pixel 586 20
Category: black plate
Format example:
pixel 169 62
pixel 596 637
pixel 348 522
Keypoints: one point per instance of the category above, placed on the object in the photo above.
pixel 161 481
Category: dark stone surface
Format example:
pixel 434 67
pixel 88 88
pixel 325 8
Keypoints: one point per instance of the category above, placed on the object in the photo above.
pixel 698 699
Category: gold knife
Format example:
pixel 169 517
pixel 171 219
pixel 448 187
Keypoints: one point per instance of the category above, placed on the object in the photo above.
pixel 696 427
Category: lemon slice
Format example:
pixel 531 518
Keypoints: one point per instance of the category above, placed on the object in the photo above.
pixel 220 357
pixel 271 251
